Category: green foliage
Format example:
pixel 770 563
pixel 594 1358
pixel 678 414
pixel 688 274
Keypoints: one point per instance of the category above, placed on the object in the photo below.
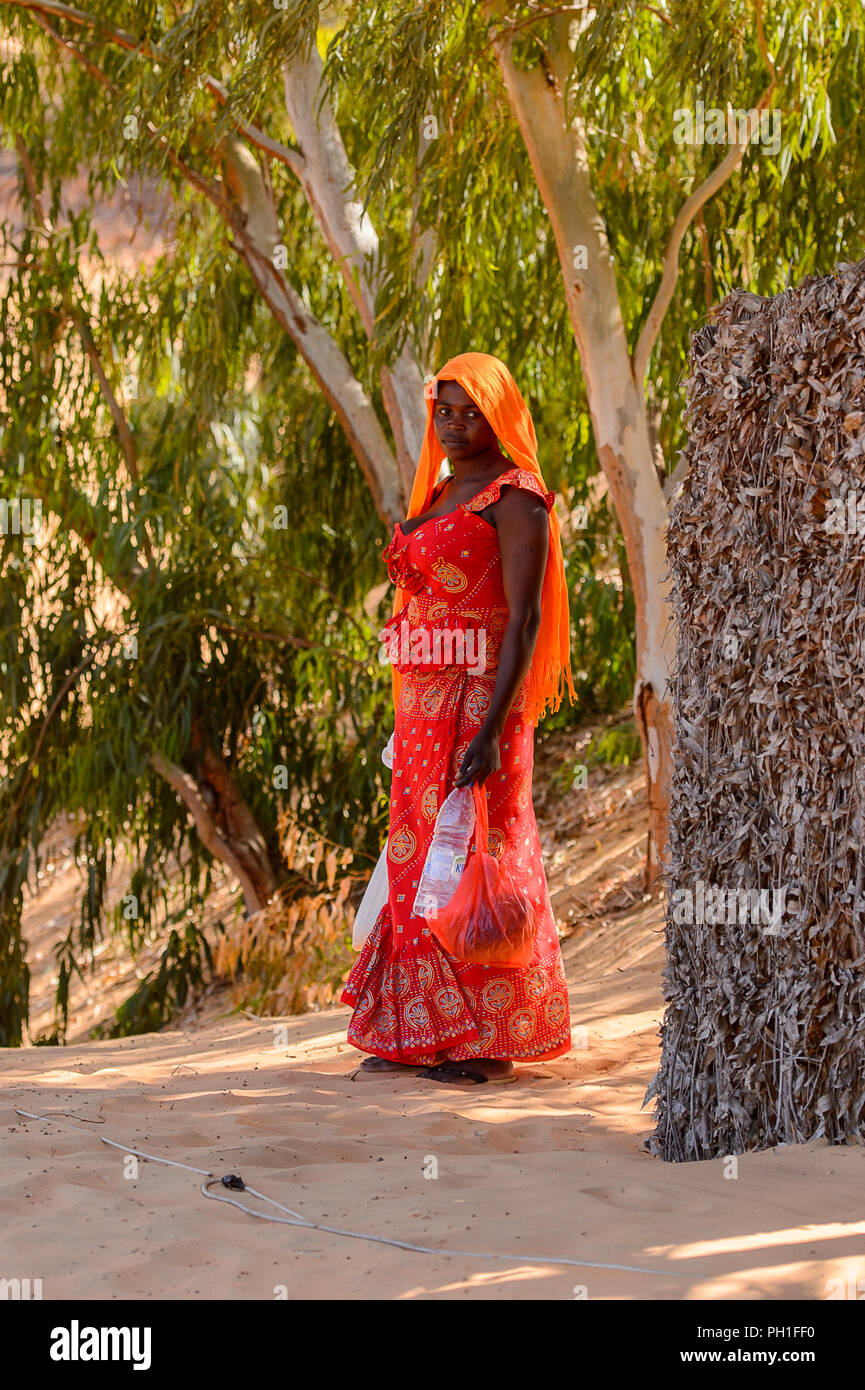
pixel 617 746
pixel 632 68
pixel 169 606
pixel 166 610
pixel 184 964
pixel 602 613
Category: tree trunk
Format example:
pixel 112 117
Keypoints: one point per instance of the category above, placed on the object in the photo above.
pixel 225 825
pixel 556 147
pixel 329 183
pixel 251 215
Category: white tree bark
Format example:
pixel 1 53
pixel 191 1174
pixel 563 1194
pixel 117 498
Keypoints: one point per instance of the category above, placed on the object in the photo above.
pixel 256 234
pixel 556 147
pixel 328 181
pixel 614 382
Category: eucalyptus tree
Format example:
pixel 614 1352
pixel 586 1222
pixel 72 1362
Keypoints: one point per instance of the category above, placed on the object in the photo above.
pixel 359 192
pixel 677 150
pixel 183 646
pixel 214 441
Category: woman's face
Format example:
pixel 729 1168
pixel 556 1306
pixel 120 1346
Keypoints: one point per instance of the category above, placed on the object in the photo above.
pixel 460 427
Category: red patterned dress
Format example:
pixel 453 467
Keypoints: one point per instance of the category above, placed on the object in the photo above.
pixel 413 1001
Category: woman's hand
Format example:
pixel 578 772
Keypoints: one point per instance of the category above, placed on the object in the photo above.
pixel 482 758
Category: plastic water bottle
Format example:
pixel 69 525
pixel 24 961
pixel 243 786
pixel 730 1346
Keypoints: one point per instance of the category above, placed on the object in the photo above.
pixel 446 856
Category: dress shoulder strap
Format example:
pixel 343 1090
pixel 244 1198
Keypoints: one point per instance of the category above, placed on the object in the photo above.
pixel 514 477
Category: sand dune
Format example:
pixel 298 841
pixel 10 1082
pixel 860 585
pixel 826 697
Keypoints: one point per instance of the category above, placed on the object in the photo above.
pixel 552 1166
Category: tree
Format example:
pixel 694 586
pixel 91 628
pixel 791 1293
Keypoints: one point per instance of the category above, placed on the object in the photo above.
pixel 610 100
pixel 185 549
pixel 214 441
pixel 380 187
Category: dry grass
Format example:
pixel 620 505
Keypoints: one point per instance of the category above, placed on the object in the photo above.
pixel 295 953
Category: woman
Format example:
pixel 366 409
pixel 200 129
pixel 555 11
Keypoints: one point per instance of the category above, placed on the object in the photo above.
pixel 479 555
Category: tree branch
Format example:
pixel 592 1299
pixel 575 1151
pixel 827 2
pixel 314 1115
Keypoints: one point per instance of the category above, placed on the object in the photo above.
pixel 76 16
pixel 30 179
pixel 423 241
pixel 690 209
pixel 333 372
pixel 255 241
pixel 329 182
pixel 188 791
pixel 284 153
pixel 117 413
pixel 245 838
pixel 761 43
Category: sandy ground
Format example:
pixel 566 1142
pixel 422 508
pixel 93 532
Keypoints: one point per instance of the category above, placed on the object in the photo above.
pixel 552 1165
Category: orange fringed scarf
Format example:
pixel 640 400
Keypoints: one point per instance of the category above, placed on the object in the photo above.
pixel 494 391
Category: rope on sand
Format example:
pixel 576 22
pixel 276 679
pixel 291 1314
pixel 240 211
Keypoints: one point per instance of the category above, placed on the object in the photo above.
pixel 151 1158
pixel 294 1218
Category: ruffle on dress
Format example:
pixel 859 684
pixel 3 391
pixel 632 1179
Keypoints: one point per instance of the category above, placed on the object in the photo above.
pixel 423 1006
pixel 399 567
pixel 412 1006
pixel 515 477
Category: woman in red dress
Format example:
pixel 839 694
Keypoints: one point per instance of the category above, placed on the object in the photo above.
pixel 480 629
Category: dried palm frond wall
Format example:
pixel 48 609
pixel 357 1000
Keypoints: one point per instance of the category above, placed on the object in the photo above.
pixel 763 1040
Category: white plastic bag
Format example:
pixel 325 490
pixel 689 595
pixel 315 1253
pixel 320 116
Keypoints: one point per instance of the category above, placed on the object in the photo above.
pixel 372 903
pixel 446 856
pixel 377 889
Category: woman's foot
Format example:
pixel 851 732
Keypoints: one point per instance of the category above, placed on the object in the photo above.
pixel 472 1073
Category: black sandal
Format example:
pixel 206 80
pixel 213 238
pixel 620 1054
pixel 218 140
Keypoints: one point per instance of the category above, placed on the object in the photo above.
pixel 450 1073
pixel 393 1069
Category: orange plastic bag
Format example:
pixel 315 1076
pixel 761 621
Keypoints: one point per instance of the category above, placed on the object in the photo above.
pixel 490 920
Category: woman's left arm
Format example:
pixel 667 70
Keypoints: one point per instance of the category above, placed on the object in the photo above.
pixel 524 535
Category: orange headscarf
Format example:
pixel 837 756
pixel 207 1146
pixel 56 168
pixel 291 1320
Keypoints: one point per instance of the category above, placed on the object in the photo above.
pixel 496 394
